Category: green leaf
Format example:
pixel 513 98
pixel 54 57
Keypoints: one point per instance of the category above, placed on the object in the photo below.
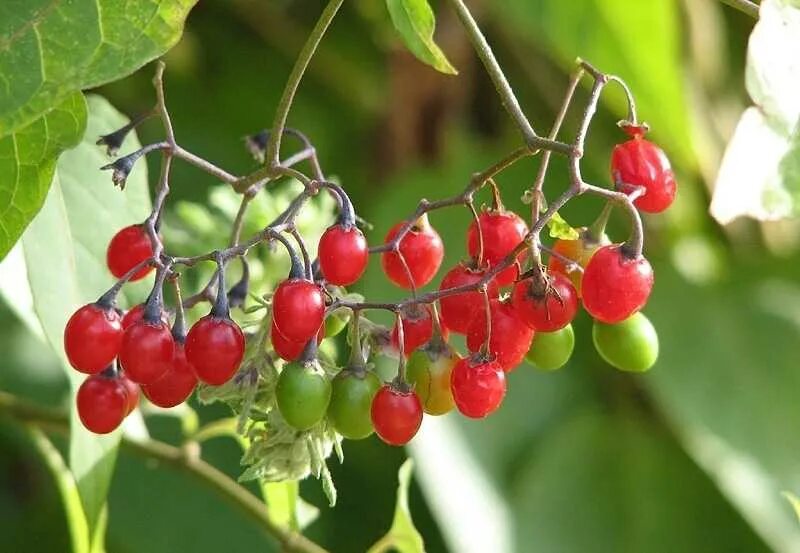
pixel 403 535
pixel 794 501
pixel 64 249
pixel 560 229
pixel 415 21
pixel 28 160
pixel 54 48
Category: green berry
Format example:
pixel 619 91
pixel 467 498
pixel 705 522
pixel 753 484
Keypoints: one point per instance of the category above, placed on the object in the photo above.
pixel 551 350
pixel 631 345
pixel 351 400
pixel 303 393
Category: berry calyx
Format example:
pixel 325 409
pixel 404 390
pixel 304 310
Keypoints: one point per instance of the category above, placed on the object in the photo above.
pixel 551 350
pixel 351 400
pixel 298 308
pixel 545 306
pixel 421 248
pixel 396 414
pixel 177 383
pixel 428 372
pixel 286 349
pixel 129 247
pixel 502 232
pixel 616 284
pixel 510 339
pixel 478 384
pixel 102 403
pixel 92 337
pixel 640 163
pixel 458 311
pixel 343 254
pixel 303 394
pixel 215 348
pixel 631 345
pixel 136 313
pixel 417 328
pixel 146 351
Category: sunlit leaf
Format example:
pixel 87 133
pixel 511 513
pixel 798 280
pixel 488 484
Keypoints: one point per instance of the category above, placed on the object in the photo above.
pixel 560 229
pixel 415 21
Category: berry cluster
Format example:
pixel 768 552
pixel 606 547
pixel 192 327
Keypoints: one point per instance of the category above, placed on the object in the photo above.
pixel 503 299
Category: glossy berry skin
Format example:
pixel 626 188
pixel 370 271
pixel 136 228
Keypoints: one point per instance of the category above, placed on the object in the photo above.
pixel 92 338
pixel 129 247
pixel 478 385
pixel 417 328
pixel 176 385
pixel 551 350
pixel 547 310
pixel 215 348
pixel 102 403
pixel 422 250
pixel 298 308
pixel 510 340
pixel 396 415
pixel 502 232
pixel 580 250
pixel 302 394
pixel 343 254
pixel 132 391
pixel 615 285
pixel 351 401
pixel 135 314
pixel 631 345
pixel 146 352
pixel 428 371
pixel 639 162
pixel 458 311
pixel 286 349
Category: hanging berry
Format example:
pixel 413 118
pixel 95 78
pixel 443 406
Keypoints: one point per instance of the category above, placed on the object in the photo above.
pixel 421 248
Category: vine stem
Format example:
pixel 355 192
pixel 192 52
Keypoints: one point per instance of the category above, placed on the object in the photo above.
pixel 744 6
pixel 300 65
pixel 180 459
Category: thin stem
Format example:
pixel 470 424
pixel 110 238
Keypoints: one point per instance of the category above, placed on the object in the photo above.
pixel 303 59
pixel 179 459
pixel 744 6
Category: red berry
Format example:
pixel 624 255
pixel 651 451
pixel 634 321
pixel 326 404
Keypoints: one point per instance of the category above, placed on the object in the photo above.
pixel 298 308
pixel 502 232
pixel 549 309
pixel 417 328
pixel 287 349
pixel 132 391
pixel 343 254
pixel 422 250
pixel 615 285
pixel 396 415
pixel 136 313
pixel 102 403
pixel 639 162
pixel 511 338
pixel 129 247
pixel 478 386
pixel 92 338
pixel 458 310
pixel 146 351
pixel 176 385
pixel 215 348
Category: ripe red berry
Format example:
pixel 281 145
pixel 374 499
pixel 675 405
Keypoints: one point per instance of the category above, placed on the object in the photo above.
pixel 478 385
pixel 422 250
pixel 102 403
pixel 136 313
pixel 287 349
pixel 298 308
pixel 396 415
pixel 548 308
pixel 616 285
pixel 147 350
pixel 176 385
pixel 511 338
pixel 132 391
pixel 502 232
pixel 92 338
pixel 343 254
pixel 129 247
pixel 639 162
pixel 215 348
pixel 458 310
pixel 417 328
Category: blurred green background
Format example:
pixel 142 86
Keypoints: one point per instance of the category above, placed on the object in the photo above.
pixel 691 457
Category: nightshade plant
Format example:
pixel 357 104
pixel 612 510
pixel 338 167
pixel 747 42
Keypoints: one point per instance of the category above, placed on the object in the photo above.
pixel 294 405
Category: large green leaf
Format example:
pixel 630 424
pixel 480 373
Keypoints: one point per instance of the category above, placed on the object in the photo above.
pixel 415 22
pixel 28 160
pixel 64 249
pixel 51 48
pixel 402 536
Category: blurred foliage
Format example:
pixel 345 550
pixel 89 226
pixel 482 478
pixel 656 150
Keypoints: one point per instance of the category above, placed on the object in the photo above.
pixel 693 456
